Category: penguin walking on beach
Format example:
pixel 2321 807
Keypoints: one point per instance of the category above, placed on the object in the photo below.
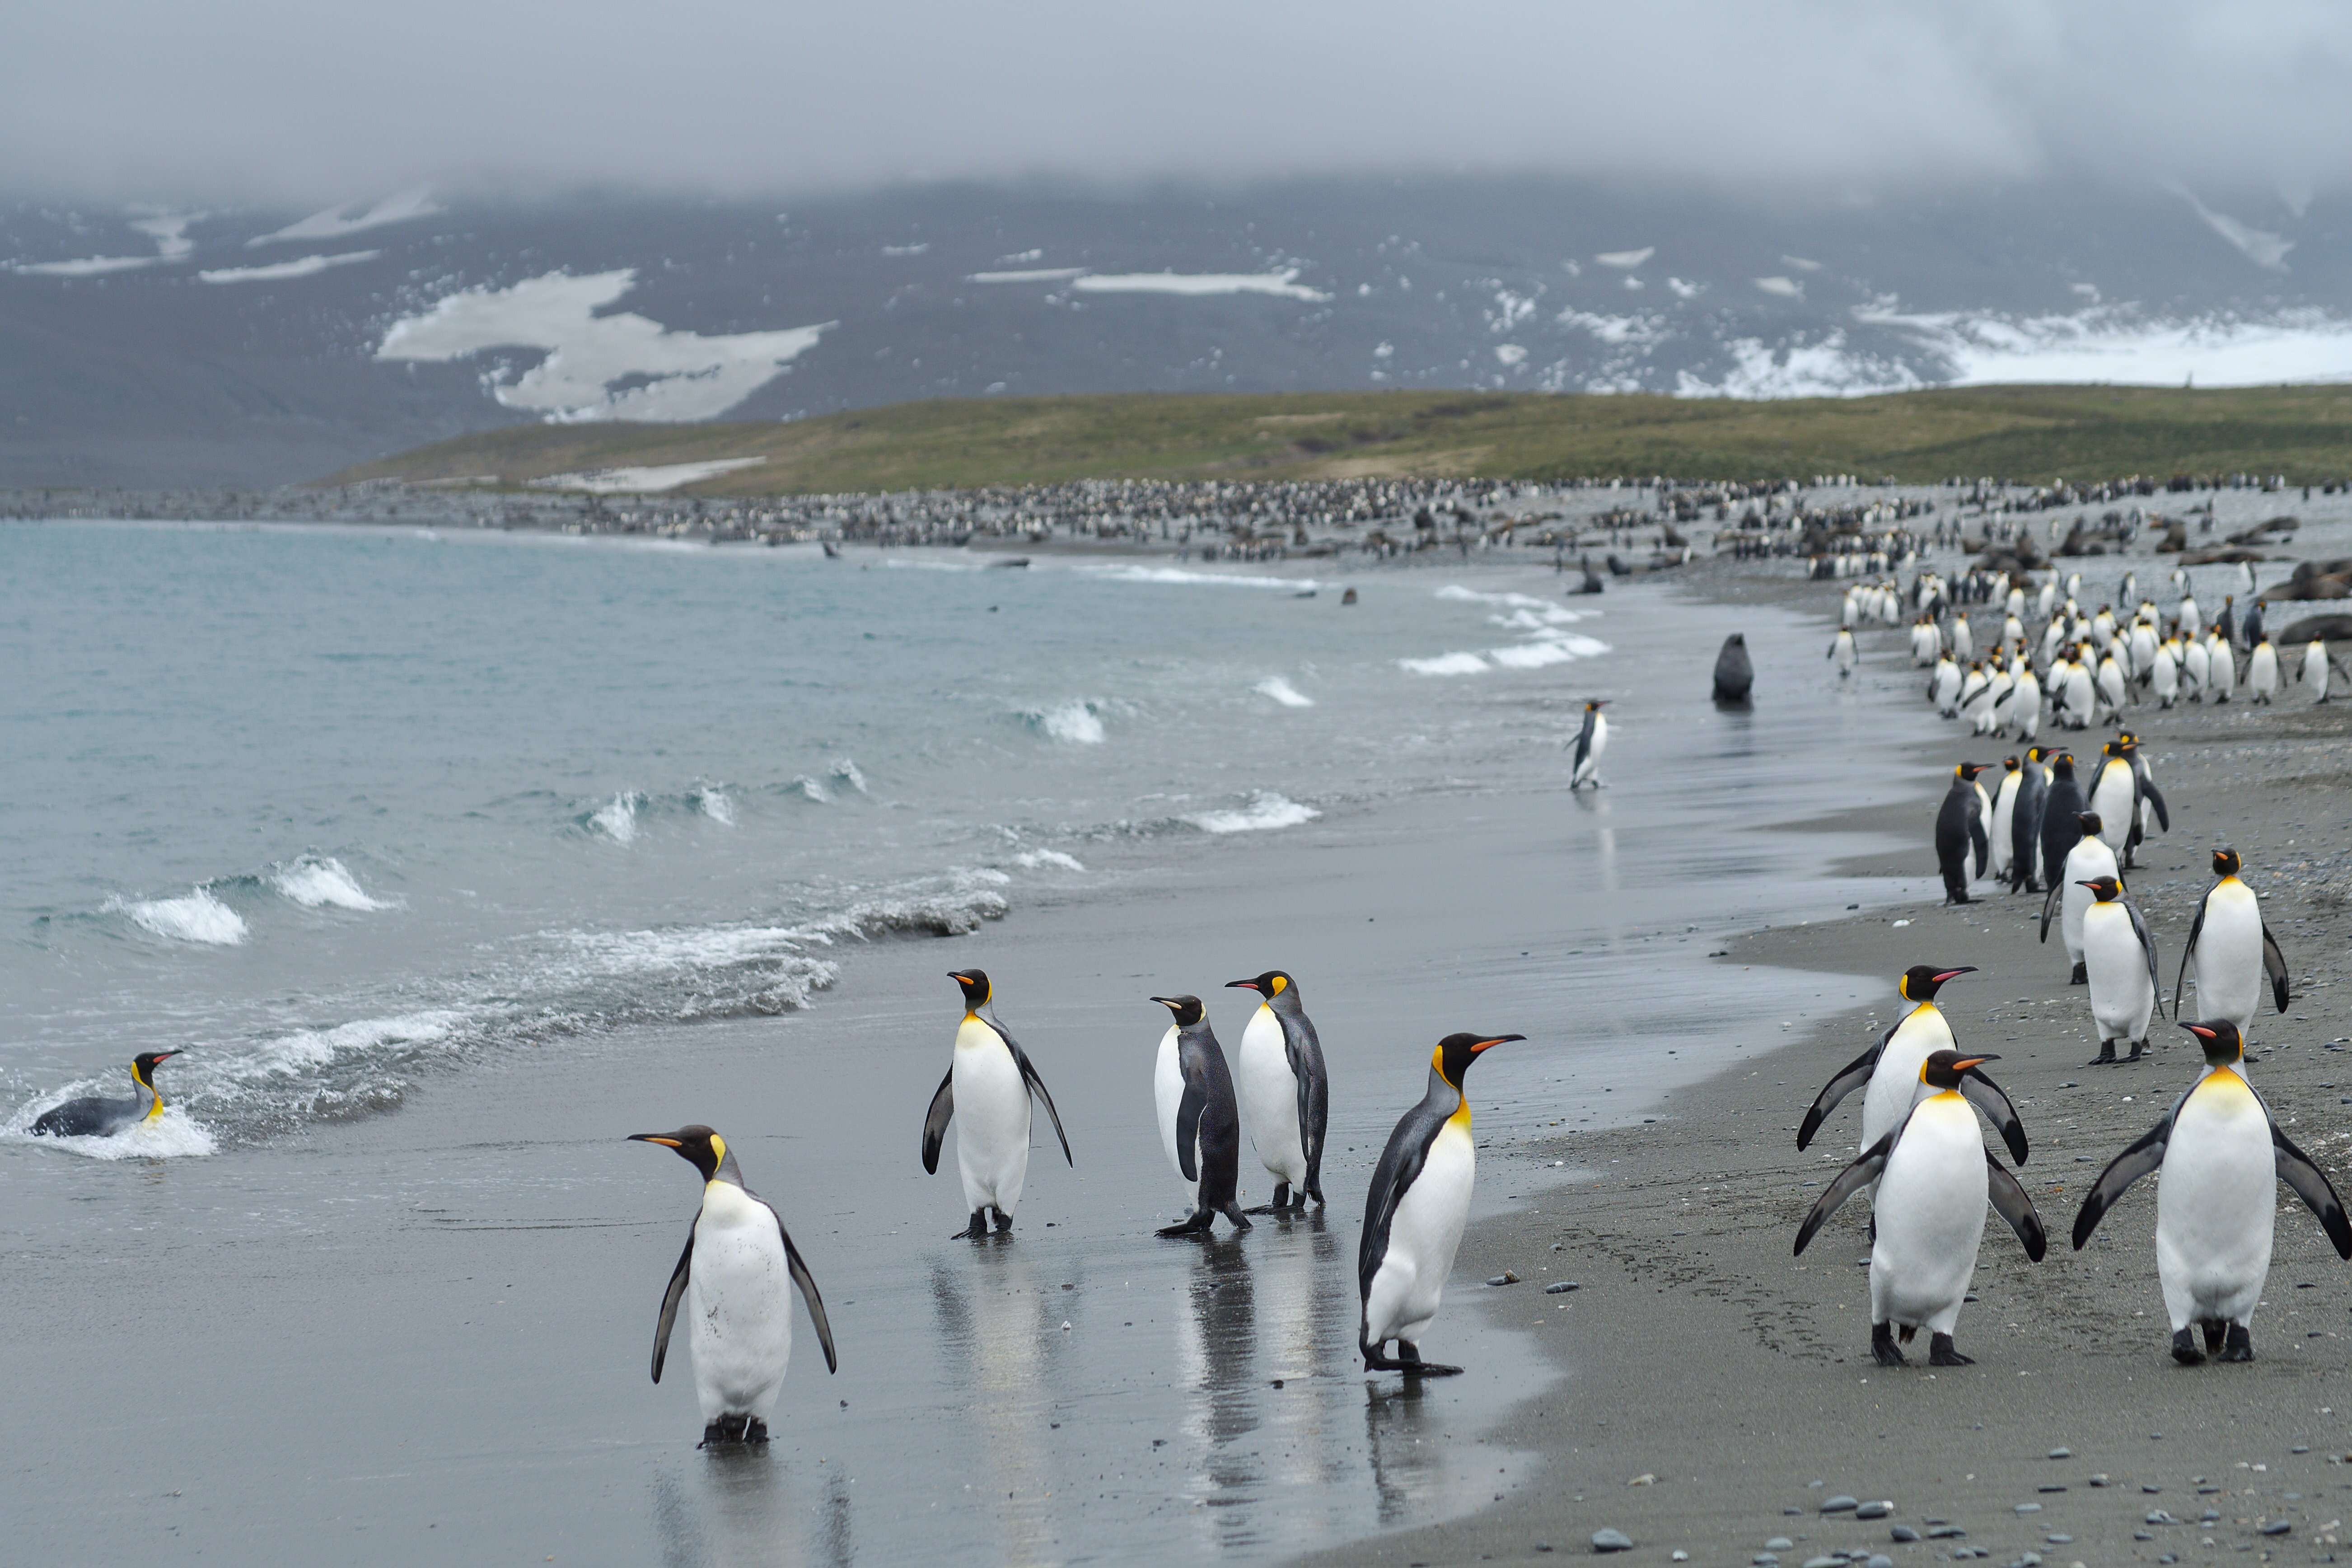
pixel 1734 675
pixel 95 1116
pixel 2262 673
pixel 991 1081
pixel 1286 1097
pixel 2220 667
pixel 2222 1155
pixel 2068 897
pixel 2152 808
pixel 2119 965
pixel 1890 1068
pixel 2115 797
pixel 1590 741
pixel 1959 827
pixel 1200 1120
pixel 1416 1211
pixel 2025 823
pixel 2062 817
pixel 1931 1177
pixel 1842 650
pixel 736 1278
pixel 2233 950
pixel 2315 669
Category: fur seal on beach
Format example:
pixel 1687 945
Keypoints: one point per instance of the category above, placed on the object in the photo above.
pixel 1286 1097
pixel 1734 675
pixel 1590 741
pixel 735 1264
pixel 991 1081
pixel 1200 1120
pixel 2222 1156
pixel 2119 964
pixel 95 1116
pixel 1415 1214
pixel 1931 1178
pixel 1960 827
pixel 2234 951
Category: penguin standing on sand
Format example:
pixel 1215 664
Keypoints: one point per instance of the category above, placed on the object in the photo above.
pixel 2151 799
pixel 2002 833
pixel 2222 1156
pixel 2262 672
pixel 1960 827
pixel 2061 818
pixel 1200 1122
pixel 1734 675
pixel 1932 1178
pixel 2234 951
pixel 2068 898
pixel 95 1116
pixel 1590 741
pixel 2119 964
pixel 1891 1068
pixel 1286 1097
pixel 2116 796
pixel 1415 1214
pixel 2025 823
pixel 739 1266
pixel 991 1080
pixel 1843 650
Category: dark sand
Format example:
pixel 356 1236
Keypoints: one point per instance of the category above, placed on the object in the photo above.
pixel 1719 1391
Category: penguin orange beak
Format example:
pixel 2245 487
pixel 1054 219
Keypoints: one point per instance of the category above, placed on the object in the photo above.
pixel 1955 974
pixel 664 1139
pixel 167 1055
pixel 2093 886
pixel 1966 1063
pixel 1236 986
pixel 1167 1002
pixel 1497 1040
pixel 959 977
pixel 2199 1030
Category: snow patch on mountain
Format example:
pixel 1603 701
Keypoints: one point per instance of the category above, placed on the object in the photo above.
pixel 334 223
pixel 276 271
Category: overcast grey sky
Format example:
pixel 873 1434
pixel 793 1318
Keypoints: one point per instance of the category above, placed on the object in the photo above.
pixel 313 101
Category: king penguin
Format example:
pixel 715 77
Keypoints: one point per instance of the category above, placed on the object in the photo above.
pixel 2025 823
pixel 1286 1097
pixel 2119 965
pixel 1843 650
pixel 1590 741
pixel 95 1116
pixel 1960 827
pixel 1200 1122
pixel 2222 1156
pixel 2069 897
pixel 737 1259
pixel 1932 1176
pixel 2000 832
pixel 2062 817
pixel 2234 951
pixel 1415 1214
pixel 991 1079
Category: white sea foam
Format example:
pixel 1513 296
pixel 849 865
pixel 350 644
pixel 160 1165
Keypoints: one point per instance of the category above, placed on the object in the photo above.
pixel 1559 648
pixel 1525 608
pixel 1282 691
pixel 1283 284
pixel 333 223
pixel 85 266
pixel 1075 722
pixel 1445 664
pixel 712 801
pixel 845 769
pixel 2120 344
pixel 1028 275
pixel 647 480
pixel 616 819
pixel 175 1135
pixel 1038 859
pixel 1265 810
pixel 317 882
pixel 289 1055
pixel 811 788
pixel 276 271
pixel 197 916
pixel 1181 574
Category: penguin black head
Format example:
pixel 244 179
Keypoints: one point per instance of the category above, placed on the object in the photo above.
pixel 1455 1054
pixel 2223 1047
pixel 1736 639
pixel 1944 1069
pixel 697 1145
pixel 2090 823
pixel 1597 704
pixel 1969 770
pixel 2226 863
pixel 1185 1010
pixel 143 1065
pixel 975 987
pixel 2009 765
pixel 2036 753
pixel 1270 985
pixel 2104 889
pixel 2063 764
pixel 1922 981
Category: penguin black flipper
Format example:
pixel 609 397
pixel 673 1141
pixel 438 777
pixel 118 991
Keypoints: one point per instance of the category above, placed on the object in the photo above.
pixel 1037 1086
pixel 1303 1050
pixel 2137 1160
pixel 1850 1181
pixel 2312 1186
pixel 807 1282
pixel 935 1122
pixel 1976 836
pixel 2274 966
pixel 2196 929
pixel 2146 944
pixel 1399 1168
pixel 2011 1202
pixel 669 1319
pixel 1986 1096
pixel 1189 1111
pixel 1850 1077
pixel 2156 798
pixel 2050 903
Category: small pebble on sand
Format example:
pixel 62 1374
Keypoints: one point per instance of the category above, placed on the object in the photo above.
pixel 1612 1541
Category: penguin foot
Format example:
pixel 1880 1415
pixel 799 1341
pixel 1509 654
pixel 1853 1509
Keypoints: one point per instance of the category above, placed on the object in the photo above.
pixel 1003 1222
pixel 734 1430
pixel 976 1231
pixel 1375 1362
pixel 2139 1049
pixel 2106 1057
pixel 1941 1353
pixel 2082 975
pixel 1281 1204
pixel 1882 1348
pixel 2214 1329
pixel 2240 1346
pixel 1241 1221
pixel 2184 1349
pixel 1415 1366
pixel 1192 1227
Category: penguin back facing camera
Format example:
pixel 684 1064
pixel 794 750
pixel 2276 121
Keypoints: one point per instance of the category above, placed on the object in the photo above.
pixel 1961 828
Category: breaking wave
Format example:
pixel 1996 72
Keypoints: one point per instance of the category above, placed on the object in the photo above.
pixel 197 916
pixel 1038 859
pixel 1264 811
pixel 1282 691
pixel 1076 723
pixel 320 882
pixel 616 819
pixel 711 800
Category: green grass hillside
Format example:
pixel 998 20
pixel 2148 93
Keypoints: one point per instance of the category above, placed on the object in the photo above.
pixel 2029 433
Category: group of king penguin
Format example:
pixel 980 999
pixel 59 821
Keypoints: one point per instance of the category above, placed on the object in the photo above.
pixel 739 1266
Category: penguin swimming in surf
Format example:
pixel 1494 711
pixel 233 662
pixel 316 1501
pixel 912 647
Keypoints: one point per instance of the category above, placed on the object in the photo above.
pixel 95 1116
pixel 2234 951
pixel 2119 965
pixel 1960 827
pixel 736 1278
pixel 2222 1156
pixel 1200 1120
pixel 1415 1214
pixel 991 1079
pixel 1931 1178
pixel 1286 1097
pixel 1734 675
pixel 1590 741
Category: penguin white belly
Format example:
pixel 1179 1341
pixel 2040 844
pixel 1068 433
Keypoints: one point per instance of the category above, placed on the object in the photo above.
pixel 1895 1082
pixel 2123 998
pixel 1269 1096
pixel 1930 1211
pixel 1423 1235
pixel 2111 797
pixel 739 1305
pixel 2228 958
pixel 1589 767
pixel 2216 1204
pixel 2078 698
pixel 2089 860
pixel 991 1119
pixel 1168 1091
pixel 2220 667
pixel 2004 811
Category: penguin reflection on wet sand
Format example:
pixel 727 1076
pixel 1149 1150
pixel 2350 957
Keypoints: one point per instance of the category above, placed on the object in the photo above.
pixel 1415 1214
pixel 736 1277
pixel 1933 1176
pixel 991 1079
pixel 1590 741
pixel 1200 1120
pixel 1286 1097
pixel 95 1116
pixel 2222 1156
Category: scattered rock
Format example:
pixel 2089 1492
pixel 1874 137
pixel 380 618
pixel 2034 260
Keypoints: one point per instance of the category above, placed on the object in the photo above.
pixel 2029 1508
pixel 1562 1289
pixel 1878 1509
pixel 1504 1278
pixel 1779 1543
pixel 1824 1562
pixel 1839 1505
pixel 2061 1453
pixel 1904 1533
pixel 1645 1480
pixel 2056 1538
pixel 1879 1560
pixel 2098 1480
pixel 2277 1527
pixel 2210 1516
pixel 2158 1516
pixel 1946 1532
pixel 1612 1541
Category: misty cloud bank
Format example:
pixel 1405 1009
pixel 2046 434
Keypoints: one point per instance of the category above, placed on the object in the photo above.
pixel 245 101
